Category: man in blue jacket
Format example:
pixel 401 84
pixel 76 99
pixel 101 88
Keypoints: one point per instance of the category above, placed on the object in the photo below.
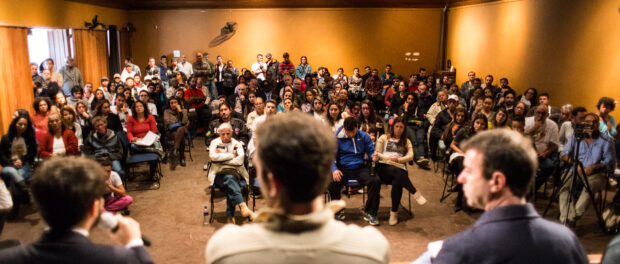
pixel 354 146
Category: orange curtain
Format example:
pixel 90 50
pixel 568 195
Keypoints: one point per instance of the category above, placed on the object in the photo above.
pixel 91 54
pixel 15 80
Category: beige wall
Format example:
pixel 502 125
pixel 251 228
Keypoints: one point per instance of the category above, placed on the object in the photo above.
pixel 567 48
pixel 333 38
pixel 56 14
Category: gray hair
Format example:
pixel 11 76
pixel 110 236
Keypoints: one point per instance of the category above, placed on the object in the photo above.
pixel 224 126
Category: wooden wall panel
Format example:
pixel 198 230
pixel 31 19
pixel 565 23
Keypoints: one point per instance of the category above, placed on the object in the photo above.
pixel 15 79
pixel 91 54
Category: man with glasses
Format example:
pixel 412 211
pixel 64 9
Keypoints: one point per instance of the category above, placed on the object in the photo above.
pixel 544 133
pixel 596 155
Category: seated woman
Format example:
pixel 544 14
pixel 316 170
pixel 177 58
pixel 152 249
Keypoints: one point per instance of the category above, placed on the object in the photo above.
pixel 60 100
pixel 227 153
pixel 18 148
pixel 369 120
pixel 70 122
pixel 334 117
pixel 103 109
pixel 456 159
pixel 83 118
pixel 500 119
pixel 116 199
pixel 103 143
pixel 393 151
pixel 58 141
pixel 139 125
pixel 175 123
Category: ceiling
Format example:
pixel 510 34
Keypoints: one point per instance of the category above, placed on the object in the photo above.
pixel 182 4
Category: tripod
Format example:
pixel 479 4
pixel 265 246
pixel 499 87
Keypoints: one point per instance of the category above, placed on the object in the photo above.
pixel 578 177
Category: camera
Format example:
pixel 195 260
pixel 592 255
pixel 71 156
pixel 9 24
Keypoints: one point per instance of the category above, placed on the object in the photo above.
pixel 580 130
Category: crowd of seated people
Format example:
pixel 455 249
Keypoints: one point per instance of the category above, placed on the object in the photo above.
pixel 376 118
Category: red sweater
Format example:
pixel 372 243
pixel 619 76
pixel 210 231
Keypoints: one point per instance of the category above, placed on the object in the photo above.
pixel 140 129
pixel 46 145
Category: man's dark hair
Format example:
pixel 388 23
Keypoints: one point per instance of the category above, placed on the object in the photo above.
pixel 510 91
pixel 366 67
pixel 508 152
pixel 76 89
pixel 163 57
pixel 129 59
pixel 518 118
pixel 65 189
pixel 504 79
pixel 104 162
pixel 349 124
pixel 607 102
pixel 579 109
pixel 388 65
pixel 545 95
pixel 422 69
pixel 281 145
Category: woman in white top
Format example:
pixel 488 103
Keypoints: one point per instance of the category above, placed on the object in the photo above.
pixel 69 120
pixel 317 109
pixel 393 151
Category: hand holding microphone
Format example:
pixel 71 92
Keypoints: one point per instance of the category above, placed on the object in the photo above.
pixel 122 229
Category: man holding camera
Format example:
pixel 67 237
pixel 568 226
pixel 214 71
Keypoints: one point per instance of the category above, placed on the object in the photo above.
pixel 596 154
pixel 69 192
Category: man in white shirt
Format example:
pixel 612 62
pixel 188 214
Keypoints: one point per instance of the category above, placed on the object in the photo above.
pixel 259 67
pixel 544 133
pixel 186 67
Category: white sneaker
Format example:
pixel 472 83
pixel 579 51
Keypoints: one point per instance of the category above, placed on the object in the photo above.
pixel 393 218
pixel 419 198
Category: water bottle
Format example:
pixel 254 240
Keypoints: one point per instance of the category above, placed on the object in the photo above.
pixel 205 216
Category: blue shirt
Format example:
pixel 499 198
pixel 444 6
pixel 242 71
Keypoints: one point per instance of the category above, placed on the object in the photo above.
pixel 599 151
pixel 352 151
pixel 603 127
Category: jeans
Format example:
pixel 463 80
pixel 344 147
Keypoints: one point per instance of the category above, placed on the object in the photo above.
pixel 546 167
pixel 13 175
pixel 417 136
pixel 212 89
pixel 230 185
pixel 363 176
pixel 117 167
pixel 399 180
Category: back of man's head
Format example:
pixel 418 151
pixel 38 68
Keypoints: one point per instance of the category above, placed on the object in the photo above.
pixel 350 124
pixel 65 189
pixel 507 152
pixel 299 159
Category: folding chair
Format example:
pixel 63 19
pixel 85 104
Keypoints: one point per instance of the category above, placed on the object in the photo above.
pixel 449 177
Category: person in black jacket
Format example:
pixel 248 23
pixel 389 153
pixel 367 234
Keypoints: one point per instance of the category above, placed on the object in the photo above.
pixel 441 121
pixel 18 148
pixel 69 192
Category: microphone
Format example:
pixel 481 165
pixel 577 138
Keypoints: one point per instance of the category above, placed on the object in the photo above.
pixel 108 221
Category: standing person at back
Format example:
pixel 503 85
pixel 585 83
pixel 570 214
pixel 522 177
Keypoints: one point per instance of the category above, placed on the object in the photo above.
pixel 296 226
pixel 499 169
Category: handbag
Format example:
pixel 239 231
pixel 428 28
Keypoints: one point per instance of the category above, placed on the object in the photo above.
pixel 229 170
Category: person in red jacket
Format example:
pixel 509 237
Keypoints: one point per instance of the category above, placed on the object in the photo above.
pixel 58 141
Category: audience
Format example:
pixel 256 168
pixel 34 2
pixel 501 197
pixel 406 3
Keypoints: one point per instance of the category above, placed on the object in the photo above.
pixel 296 221
pixel 176 123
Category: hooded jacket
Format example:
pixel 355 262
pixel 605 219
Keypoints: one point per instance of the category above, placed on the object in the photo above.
pixel 352 151
pixel 108 146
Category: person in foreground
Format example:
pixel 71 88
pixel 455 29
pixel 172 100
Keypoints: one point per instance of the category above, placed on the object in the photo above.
pixel 296 226
pixel 69 192
pixel 499 168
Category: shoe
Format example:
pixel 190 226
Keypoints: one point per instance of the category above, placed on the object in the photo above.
pixel 205 167
pixel 393 218
pixel 411 163
pixel 339 215
pixel 183 162
pixel 422 162
pixel 419 198
pixel 372 220
pixel 230 220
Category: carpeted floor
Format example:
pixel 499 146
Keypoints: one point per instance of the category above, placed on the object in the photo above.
pixel 172 217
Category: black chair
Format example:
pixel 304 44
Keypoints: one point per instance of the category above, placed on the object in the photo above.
pixel 448 175
pixel 132 160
